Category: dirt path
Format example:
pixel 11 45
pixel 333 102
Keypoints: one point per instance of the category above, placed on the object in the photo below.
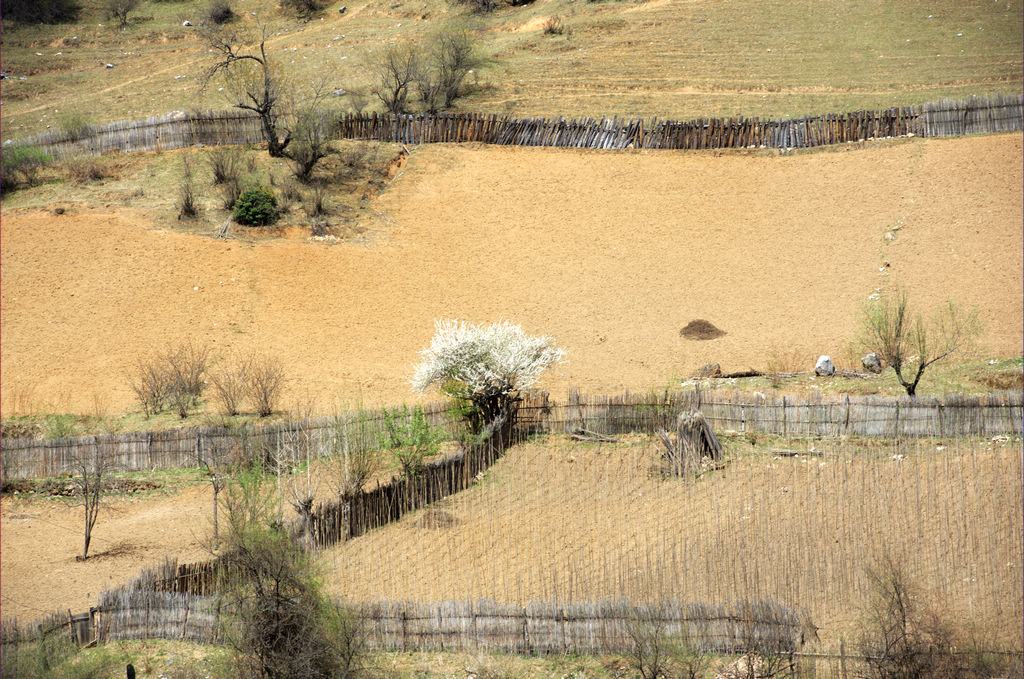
pixel 40 540
pixel 611 253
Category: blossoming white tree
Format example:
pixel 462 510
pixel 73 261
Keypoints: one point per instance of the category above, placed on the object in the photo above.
pixel 484 367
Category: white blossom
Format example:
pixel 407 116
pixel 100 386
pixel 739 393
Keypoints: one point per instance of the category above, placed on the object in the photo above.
pixel 493 359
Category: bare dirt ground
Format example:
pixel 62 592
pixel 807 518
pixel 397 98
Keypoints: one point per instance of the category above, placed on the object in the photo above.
pixel 610 253
pixel 40 539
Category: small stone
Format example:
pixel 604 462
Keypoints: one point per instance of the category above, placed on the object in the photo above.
pixel 824 367
pixel 186 23
pixel 340 92
pixel 871 363
pixel 110 66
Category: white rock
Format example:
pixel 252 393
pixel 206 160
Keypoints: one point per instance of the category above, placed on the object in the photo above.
pixel 186 23
pixel 824 367
pixel 110 66
pixel 871 363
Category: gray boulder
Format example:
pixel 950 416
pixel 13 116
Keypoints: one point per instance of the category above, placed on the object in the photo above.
pixel 710 370
pixel 824 367
pixel 871 363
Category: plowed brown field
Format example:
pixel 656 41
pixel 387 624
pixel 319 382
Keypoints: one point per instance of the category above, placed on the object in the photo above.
pixel 611 253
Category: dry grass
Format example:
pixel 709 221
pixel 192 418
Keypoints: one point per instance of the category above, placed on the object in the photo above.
pixel 657 58
pixel 152 181
pixel 558 520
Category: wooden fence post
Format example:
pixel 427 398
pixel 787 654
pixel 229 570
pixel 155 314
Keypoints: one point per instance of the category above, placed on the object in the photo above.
pixel 784 428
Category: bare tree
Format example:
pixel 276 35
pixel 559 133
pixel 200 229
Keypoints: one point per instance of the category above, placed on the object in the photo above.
pixel 352 461
pixel 92 466
pixel 281 625
pixel 394 74
pixel 905 635
pixel 230 382
pixel 649 652
pixel 297 454
pixel 310 143
pixel 454 57
pixel 909 344
pixel 256 86
pixel 148 380
pixel 218 459
pixel 266 381
pixel 120 9
pixel 185 367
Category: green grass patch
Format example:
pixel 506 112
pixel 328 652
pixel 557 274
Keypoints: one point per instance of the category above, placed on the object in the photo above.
pixel 972 377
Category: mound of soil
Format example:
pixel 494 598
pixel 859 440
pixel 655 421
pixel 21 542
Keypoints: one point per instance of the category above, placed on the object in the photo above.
pixel 437 518
pixel 699 329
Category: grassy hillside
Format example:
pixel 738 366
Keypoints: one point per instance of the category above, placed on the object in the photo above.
pixel 664 57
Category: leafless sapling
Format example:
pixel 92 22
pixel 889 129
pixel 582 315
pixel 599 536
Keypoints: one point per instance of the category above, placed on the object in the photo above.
pixel 394 73
pixel 92 466
pixel 218 458
pixel 265 383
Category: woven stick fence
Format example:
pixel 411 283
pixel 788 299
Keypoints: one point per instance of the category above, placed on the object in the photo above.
pixel 177 448
pixel 538 628
pixel 995 414
pixel 351 515
pixel 947 117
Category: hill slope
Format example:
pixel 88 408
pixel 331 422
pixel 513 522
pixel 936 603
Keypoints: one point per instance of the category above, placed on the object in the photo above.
pixel 665 57
pixel 611 253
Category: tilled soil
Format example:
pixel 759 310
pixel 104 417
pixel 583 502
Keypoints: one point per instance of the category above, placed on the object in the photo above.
pixel 611 253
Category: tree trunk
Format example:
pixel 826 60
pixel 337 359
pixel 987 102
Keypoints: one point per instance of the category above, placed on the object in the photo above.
pixel 216 491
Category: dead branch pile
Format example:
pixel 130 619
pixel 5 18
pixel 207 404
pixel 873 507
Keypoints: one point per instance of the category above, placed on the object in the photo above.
pixel 693 443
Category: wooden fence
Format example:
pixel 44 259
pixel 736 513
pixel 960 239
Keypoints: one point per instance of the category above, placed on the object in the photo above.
pixel 349 516
pixel 976 115
pixel 995 414
pixel 538 628
pixel 178 448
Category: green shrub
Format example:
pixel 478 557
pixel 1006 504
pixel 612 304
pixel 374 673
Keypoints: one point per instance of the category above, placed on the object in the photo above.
pixel 410 438
pixel 257 206
pixel 75 126
pixel 303 8
pixel 219 12
pixel 20 165
pixel 39 11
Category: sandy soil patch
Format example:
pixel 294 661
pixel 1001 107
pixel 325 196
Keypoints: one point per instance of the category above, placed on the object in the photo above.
pixel 611 253
pixel 41 538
